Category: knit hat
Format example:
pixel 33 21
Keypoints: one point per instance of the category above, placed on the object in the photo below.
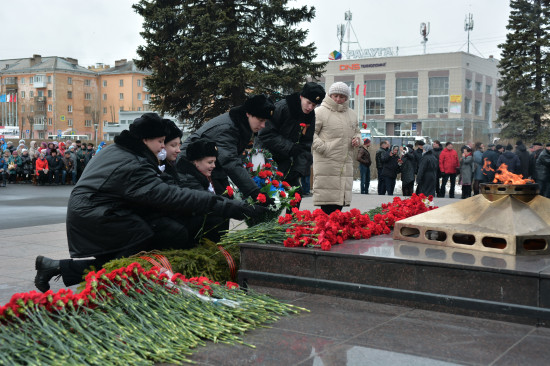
pixel 366 141
pixel 173 130
pixel 314 92
pixel 201 148
pixel 427 147
pixel 259 106
pixel 148 126
pixel 339 88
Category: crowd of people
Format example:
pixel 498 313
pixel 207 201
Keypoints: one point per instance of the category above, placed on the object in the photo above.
pixel 432 166
pixel 44 163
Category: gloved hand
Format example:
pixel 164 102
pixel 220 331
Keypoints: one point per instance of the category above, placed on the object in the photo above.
pixel 298 149
pixel 238 210
pixel 268 201
pixel 253 210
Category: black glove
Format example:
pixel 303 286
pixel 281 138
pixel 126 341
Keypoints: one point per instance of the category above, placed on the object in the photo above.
pixel 253 210
pixel 238 210
pixel 298 149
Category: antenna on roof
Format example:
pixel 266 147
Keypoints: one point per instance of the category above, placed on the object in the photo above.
pixel 469 26
pixel 343 29
pixel 424 31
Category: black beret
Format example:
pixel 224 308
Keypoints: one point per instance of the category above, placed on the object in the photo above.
pixel 259 106
pixel 509 147
pixel 419 143
pixel 314 92
pixel 201 148
pixel 148 126
pixel 499 146
pixel 537 143
pixel 173 130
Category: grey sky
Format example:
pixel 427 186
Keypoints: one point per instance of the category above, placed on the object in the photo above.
pixel 102 31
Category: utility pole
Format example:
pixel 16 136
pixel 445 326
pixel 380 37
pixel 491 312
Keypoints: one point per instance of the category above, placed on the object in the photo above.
pixel 424 31
pixel 469 26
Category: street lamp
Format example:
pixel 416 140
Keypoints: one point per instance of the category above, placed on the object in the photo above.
pixel 95 126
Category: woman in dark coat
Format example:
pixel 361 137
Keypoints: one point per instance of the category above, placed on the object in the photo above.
pixel 427 172
pixel 110 209
pixel 407 171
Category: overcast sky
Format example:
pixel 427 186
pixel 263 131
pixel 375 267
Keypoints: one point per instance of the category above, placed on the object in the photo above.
pixel 102 31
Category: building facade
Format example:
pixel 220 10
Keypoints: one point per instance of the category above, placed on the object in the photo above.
pixel 447 96
pixel 47 97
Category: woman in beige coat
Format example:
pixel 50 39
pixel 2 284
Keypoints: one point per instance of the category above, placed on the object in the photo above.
pixel 336 135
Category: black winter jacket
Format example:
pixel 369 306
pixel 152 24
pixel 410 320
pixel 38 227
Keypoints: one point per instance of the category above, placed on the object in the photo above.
pixel 408 167
pixel 492 156
pixel 232 134
pixel 523 155
pixel 427 174
pixel 391 166
pixel 543 168
pixel 191 177
pixel 283 131
pixel 511 160
pixel 106 208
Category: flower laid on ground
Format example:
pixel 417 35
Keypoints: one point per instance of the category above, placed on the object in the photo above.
pixel 129 316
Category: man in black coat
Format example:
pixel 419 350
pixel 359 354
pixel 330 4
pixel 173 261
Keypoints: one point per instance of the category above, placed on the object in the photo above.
pixel 121 206
pixel 543 171
pixel 384 147
pixel 523 155
pixel 55 165
pixel 436 151
pixel 418 150
pixel 488 171
pixel 233 132
pixel 288 135
pixel 537 150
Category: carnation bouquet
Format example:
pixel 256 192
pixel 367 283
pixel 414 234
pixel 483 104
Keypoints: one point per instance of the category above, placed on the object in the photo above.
pixel 275 193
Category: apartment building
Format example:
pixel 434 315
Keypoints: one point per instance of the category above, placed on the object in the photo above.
pixel 47 97
pixel 446 96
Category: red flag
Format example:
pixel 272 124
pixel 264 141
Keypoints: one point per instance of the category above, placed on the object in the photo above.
pixel 15 97
pixel 357 90
pixel 365 90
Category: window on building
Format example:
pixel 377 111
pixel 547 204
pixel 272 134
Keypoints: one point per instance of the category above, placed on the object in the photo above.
pixel 438 95
pixel 88 96
pixel 70 80
pixel 139 109
pixel 104 110
pixel 41 135
pixel 352 94
pixel 70 122
pixel 87 82
pixel 487 112
pixel 49 79
pixel 468 84
pixel 467 105
pixel 69 94
pixel 121 82
pixel 50 108
pixel 40 93
pixel 104 83
pixel 40 107
pixel 49 93
pixel 406 95
pixel 30 81
pixel 32 108
pixel 488 89
pixel 70 108
pixel 478 86
pixel 121 96
pixel 22 80
pixel 104 96
pixel 477 108
pixel 88 123
pixel 22 94
pixel 50 122
pixel 375 97
pixel 138 82
pixel 87 110
pixel 147 96
pixel 139 96
pixel 22 108
pixel 121 109
pixel 31 94
pixel 397 129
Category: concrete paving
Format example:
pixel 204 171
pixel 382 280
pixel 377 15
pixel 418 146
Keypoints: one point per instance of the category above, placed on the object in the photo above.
pixel 336 331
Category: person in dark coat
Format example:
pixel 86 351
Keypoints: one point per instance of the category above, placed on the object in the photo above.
pixel 418 150
pixel 168 156
pixel 55 164
pixel 537 150
pixel 392 167
pixel 466 172
pixel 26 167
pixel 384 147
pixel 113 210
pixel 288 135
pixel 363 157
pixel 478 164
pixel 436 151
pixel 523 155
pixel 543 171
pixel 408 167
pixel 510 159
pixel 233 132
pixel 427 172
pixel 488 169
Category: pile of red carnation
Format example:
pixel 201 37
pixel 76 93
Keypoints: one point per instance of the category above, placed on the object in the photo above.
pixel 320 230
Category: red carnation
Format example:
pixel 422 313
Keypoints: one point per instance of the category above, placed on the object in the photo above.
pixel 261 198
pixel 229 191
pixel 302 125
pixel 267 165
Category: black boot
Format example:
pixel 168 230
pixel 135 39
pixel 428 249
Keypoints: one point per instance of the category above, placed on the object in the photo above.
pixel 46 268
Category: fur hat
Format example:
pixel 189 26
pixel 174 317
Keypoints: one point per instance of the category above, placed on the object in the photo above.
pixel 148 126
pixel 314 92
pixel 201 148
pixel 173 130
pixel 537 143
pixel 339 88
pixel 259 106
pixel 499 146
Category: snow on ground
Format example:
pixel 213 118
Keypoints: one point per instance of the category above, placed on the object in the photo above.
pixel 397 191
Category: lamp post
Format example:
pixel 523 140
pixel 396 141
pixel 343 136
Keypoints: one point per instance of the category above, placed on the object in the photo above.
pixel 95 126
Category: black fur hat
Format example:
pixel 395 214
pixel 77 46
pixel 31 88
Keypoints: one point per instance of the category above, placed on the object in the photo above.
pixel 148 126
pixel 173 130
pixel 201 148
pixel 314 92
pixel 259 106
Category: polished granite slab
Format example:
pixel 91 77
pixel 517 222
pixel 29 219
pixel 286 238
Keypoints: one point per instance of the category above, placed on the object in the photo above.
pixel 384 269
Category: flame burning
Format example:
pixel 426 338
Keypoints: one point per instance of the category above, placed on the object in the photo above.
pixel 506 177
pixel 487 166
